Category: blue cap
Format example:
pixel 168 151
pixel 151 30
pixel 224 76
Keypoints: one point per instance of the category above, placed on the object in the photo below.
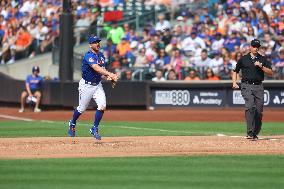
pixel 93 39
pixel 35 68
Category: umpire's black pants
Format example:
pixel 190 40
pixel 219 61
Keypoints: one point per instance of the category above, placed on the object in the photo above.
pixel 254 100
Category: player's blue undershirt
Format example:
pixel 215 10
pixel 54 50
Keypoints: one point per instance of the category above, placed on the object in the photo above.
pixel 88 73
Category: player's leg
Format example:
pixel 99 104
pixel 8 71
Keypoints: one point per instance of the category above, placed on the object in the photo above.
pixel 23 100
pixel 85 95
pixel 250 108
pixel 259 101
pixel 37 95
pixel 100 98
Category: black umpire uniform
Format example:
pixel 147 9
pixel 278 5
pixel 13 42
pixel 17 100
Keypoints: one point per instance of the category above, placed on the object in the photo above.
pixel 253 67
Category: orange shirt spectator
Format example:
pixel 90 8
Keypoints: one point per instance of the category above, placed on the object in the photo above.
pixel 209 75
pixel 192 76
pixel 123 47
pixel 23 39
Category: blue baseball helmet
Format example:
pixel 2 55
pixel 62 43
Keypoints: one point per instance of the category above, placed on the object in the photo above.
pixel 93 39
pixel 35 69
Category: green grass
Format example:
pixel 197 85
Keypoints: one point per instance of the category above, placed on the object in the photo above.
pixel 37 128
pixel 141 172
pixel 148 172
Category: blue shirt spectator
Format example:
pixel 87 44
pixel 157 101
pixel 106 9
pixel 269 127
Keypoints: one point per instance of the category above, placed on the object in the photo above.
pixel 34 81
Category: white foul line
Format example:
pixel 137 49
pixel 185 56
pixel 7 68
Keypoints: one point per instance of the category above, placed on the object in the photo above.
pixel 15 118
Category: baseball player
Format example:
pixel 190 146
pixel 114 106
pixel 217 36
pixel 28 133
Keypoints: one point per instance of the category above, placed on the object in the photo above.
pixel 33 90
pixel 253 67
pixel 90 86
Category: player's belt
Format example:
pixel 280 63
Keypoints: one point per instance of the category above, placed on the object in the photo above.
pixel 252 82
pixel 91 83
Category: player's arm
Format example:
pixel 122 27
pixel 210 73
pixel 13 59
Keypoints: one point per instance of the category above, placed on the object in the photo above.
pixel 104 72
pixel 234 79
pixel 235 74
pixel 28 89
pixel 265 66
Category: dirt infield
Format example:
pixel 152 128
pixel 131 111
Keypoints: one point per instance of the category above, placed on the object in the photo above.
pixel 61 147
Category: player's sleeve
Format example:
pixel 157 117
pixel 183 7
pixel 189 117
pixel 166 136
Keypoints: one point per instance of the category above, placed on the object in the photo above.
pixel 237 68
pixel 90 59
pixel 267 63
pixel 28 79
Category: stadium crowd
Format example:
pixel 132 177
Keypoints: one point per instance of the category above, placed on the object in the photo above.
pixel 29 27
pixel 202 44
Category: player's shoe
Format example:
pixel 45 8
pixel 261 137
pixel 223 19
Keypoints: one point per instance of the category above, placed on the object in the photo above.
pixel 95 133
pixel 21 110
pixel 254 137
pixel 249 137
pixel 71 130
pixel 36 110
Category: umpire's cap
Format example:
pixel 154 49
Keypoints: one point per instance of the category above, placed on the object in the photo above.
pixel 35 69
pixel 255 43
pixel 94 39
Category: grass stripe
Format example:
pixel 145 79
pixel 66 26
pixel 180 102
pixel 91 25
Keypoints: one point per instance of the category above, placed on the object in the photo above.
pixel 147 172
pixel 46 128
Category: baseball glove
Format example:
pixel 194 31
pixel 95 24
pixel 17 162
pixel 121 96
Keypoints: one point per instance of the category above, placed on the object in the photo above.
pixel 113 81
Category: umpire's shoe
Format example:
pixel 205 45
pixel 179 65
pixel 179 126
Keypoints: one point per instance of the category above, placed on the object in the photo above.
pixel 94 131
pixel 71 130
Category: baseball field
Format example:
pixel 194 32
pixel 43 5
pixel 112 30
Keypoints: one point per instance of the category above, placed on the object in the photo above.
pixel 141 149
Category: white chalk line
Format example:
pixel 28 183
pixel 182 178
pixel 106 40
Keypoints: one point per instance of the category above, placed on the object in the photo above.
pixel 15 118
pixel 125 127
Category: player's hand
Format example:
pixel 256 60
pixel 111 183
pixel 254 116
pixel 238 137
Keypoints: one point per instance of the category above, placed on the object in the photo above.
pixel 235 86
pixel 113 77
pixel 257 63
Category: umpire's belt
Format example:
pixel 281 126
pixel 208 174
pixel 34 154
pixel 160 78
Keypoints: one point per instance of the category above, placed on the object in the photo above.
pixel 91 83
pixel 253 82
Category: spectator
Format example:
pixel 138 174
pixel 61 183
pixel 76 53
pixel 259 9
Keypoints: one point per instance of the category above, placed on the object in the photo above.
pixel 177 62
pixel 162 24
pixel 209 75
pixel 21 45
pixel 141 59
pixel 126 75
pixel 81 27
pixel 278 64
pixel 217 62
pixel 116 33
pixel 218 42
pixel 192 76
pixel 269 43
pixel 167 36
pixel 109 49
pixel 173 45
pixel 114 61
pixel 159 76
pixel 201 62
pixel 162 60
pixel 232 41
pixel 171 75
pixel 193 43
pixel 32 90
pixel 123 47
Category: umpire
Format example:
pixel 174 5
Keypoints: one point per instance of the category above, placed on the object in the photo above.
pixel 253 66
